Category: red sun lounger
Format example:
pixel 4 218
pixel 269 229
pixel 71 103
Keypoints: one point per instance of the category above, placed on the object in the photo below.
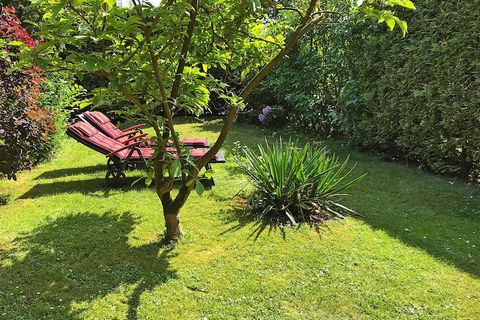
pixel 103 123
pixel 125 154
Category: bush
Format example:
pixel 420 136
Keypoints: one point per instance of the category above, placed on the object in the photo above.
pixel 305 87
pixel 58 94
pixel 294 185
pixel 417 98
pixel 24 126
pixel 24 129
pixel 301 93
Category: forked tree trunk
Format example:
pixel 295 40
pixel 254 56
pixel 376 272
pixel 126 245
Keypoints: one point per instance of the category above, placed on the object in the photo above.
pixel 171 213
pixel 173 225
pixel 172 219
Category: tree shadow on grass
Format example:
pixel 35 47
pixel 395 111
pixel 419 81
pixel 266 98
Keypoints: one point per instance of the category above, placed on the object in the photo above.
pixel 57 269
pixel 241 217
pixel 61 173
pixel 94 187
pixel 86 187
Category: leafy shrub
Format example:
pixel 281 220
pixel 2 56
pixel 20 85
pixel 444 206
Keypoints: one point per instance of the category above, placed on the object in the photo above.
pixel 58 94
pixel 294 185
pixel 297 86
pixel 24 126
pixel 417 98
pixel 307 84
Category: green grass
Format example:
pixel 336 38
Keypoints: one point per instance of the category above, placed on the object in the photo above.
pixel 72 248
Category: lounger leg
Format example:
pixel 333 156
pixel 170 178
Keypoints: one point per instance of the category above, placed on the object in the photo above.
pixel 116 168
pixel 115 173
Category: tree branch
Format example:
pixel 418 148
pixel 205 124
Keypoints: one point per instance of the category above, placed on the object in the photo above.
pixel 79 13
pixel 260 39
pixel 165 104
pixel 184 52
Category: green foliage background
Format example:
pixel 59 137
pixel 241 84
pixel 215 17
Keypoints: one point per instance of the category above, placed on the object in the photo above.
pixel 58 93
pixel 304 89
pixel 415 98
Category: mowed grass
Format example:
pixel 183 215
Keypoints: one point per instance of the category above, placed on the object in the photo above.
pixel 71 248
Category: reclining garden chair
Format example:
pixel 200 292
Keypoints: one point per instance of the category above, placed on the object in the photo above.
pixel 105 125
pixel 125 154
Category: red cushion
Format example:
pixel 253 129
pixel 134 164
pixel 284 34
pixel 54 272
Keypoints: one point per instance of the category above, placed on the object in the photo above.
pixel 102 122
pixel 91 136
pixel 100 117
pixel 85 128
pixel 200 142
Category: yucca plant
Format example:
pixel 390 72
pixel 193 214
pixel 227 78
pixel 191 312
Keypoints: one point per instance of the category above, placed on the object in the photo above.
pixel 296 184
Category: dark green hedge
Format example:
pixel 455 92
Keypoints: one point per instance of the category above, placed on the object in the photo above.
pixel 418 98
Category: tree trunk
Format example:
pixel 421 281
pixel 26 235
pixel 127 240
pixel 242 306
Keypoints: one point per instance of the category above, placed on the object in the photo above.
pixel 172 218
pixel 171 209
pixel 172 223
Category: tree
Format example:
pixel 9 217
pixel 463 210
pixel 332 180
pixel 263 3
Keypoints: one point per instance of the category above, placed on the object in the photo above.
pixel 158 59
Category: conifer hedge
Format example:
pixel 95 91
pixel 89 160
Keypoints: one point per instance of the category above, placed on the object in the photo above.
pixel 418 98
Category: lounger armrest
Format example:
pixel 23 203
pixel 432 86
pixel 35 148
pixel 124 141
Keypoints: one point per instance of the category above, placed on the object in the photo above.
pixel 127 134
pixel 144 135
pixel 135 127
pixel 130 146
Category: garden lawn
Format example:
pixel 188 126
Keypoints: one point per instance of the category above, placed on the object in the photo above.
pixel 72 248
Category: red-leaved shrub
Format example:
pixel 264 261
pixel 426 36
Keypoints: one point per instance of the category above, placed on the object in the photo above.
pixel 24 126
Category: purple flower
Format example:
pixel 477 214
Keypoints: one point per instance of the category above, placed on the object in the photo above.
pixel 267 110
pixel 262 117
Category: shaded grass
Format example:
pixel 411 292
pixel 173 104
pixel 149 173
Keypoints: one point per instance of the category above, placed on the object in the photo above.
pixel 72 248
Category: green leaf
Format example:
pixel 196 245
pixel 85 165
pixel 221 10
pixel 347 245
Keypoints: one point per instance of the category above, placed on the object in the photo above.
pixel 256 5
pixel 97 99
pixel 44 46
pixel 402 24
pixel 409 4
pixel 15 43
pixel 82 104
pixel 33 23
pixel 209 174
pixel 390 23
pixel 244 73
pixel 199 188
pixel 110 3
pixel 104 65
pixel 175 168
pixel 90 65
